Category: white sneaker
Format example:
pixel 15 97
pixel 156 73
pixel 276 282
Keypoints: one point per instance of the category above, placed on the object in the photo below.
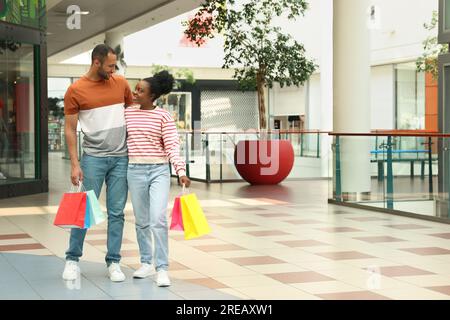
pixel 115 274
pixel 2 176
pixel 162 278
pixel 144 271
pixel 71 271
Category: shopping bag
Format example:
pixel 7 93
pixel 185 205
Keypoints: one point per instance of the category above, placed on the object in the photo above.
pixel 72 211
pixel 194 221
pixel 87 213
pixel 96 215
pixel 177 218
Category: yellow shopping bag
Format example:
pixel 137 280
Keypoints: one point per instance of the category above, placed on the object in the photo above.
pixel 194 221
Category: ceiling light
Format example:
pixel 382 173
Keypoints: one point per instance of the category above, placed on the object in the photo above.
pixel 83 13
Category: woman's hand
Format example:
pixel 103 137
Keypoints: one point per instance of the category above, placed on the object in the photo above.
pixel 186 181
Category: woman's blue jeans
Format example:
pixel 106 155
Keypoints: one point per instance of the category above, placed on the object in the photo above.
pixel 149 186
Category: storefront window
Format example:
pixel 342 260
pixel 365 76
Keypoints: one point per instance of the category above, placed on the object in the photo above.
pixel 179 104
pixel 57 88
pixel 410 97
pixel 30 13
pixel 17 112
pixel 447 15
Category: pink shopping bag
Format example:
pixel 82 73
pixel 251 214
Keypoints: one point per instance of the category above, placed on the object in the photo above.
pixel 177 219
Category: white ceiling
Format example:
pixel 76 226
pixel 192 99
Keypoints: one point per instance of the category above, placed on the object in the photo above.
pixel 105 15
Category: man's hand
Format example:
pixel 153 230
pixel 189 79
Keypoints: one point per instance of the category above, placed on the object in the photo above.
pixel 76 175
pixel 186 181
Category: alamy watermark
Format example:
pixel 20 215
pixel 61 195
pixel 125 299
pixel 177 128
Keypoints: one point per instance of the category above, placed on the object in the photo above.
pixel 374 280
pixel 73 22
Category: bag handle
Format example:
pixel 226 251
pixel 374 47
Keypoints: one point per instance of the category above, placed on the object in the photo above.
pixel 78 189
pixel 184 190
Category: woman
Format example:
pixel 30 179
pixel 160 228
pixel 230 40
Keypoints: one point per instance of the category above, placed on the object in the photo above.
pixel 152 142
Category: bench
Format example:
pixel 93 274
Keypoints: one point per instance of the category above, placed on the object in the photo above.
pixel 410 160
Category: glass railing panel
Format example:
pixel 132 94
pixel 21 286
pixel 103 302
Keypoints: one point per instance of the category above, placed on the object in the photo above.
pixel 358 170
pixel 215 155
pixel 229 171
pixel 408 173
pixel 413 186
pixel 197 156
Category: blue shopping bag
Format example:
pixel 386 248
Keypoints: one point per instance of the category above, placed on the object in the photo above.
pixel 87 220
pixel 96 215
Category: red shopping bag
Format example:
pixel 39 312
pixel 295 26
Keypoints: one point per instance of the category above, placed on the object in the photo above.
pixel 177 219
pixel 72 211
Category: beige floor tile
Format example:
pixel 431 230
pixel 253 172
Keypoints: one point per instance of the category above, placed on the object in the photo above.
pixel 216 222
pixel 324 287
pixel 234 293
pixel 28 210
pixel 342 272
pixel 281 238
pixel 130 260
pixel 278 225
pixel 322 265
pixel 276 292
pixel 204 242
pixel 95 236
pixel 129 246
pixel 373 281
pixel 363 263
pixel 247 281
pixel 250 202
pixel 391 254
pixel 443 258
pixel 439 268
pixel 415 294
pixel 401 245
pixel 276 268
pixel 236 254
pixel 293 255
pixel 186 274
pixel 224 271
pixel 7 227
pixel 321 249
pixel 217 203
pixel 252 244
pixel 36 252
pixel 427 280
pixel 17 241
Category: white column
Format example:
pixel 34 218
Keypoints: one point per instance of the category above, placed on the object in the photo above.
pixel 351 90
pixel 326 85
pixel 114 39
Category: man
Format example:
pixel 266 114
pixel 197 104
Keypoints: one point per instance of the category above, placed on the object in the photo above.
pixel 97 101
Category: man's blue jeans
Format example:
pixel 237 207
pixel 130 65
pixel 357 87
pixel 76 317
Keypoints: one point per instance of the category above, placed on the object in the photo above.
pixel 149 191
pixel 112 171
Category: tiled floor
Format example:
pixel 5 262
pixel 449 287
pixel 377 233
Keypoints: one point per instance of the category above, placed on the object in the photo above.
pixel 279 242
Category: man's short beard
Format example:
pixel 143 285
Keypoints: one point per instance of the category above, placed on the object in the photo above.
pixel 102 74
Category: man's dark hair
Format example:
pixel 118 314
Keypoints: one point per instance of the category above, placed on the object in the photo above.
pixel 100 52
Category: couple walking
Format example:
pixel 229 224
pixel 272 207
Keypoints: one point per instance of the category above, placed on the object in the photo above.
pixel 128 144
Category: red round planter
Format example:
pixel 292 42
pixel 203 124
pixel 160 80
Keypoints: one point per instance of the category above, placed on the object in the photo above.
pixel 264 161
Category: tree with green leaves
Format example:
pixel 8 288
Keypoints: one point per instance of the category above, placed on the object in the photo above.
pixel 428 62
pixel 258 50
